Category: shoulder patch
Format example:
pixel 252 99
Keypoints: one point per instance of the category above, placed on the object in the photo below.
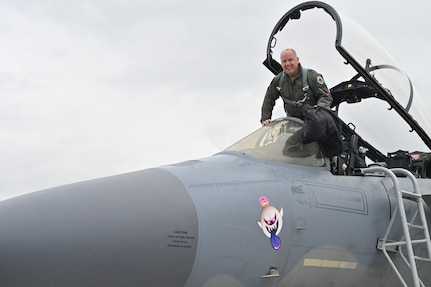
pixel 320 80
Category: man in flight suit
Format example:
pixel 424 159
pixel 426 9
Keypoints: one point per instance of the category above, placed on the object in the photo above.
pixel 291 89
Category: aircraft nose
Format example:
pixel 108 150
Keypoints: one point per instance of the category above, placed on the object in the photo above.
pixel 136 229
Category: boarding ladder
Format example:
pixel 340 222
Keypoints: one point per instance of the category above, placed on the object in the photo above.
pixel 388 245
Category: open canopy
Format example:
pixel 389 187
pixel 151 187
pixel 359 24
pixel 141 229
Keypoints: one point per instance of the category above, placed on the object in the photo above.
pixel 374 97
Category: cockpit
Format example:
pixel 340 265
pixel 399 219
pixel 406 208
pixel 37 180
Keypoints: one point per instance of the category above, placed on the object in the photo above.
pixel 382 116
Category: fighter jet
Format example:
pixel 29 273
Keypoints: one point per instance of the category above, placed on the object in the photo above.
pixel 263 212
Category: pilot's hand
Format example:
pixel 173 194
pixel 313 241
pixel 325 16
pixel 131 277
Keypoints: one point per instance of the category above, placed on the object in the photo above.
pixel 265 122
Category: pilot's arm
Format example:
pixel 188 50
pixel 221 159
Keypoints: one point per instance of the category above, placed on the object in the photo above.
pixel 271 96
pixel 320 90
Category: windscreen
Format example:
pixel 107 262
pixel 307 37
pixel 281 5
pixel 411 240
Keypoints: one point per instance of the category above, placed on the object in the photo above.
pixel 281 141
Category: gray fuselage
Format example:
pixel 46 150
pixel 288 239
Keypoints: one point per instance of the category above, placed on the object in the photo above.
pixel 195 224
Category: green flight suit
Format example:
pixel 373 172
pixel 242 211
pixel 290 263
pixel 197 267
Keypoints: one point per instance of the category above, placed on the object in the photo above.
pixel 293 92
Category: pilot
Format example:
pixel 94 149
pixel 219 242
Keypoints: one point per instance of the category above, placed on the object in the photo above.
pixel 295 89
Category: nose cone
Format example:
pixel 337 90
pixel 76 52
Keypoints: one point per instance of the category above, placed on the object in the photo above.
pixel 136 229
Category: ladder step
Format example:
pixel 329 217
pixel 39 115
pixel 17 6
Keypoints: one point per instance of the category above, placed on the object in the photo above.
pixel 415 226
pixel 419 241
pixel 410 195
pixel 422 258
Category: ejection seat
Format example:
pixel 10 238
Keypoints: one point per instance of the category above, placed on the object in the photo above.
pixel 349 162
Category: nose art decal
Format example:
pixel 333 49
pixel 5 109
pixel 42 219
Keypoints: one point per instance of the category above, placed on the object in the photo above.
pixel 271 222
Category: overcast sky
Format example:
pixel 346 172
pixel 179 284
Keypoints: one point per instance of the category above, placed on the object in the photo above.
pixel 96 88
